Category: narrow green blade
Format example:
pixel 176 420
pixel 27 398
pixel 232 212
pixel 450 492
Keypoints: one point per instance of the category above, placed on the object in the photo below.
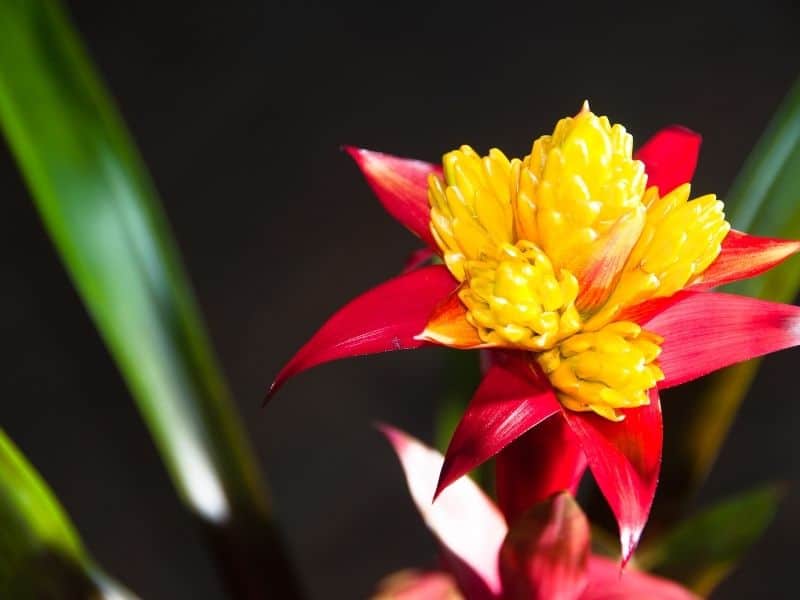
pixel 764 200
pixel 41 555
pixel 102 212
pixel 703 549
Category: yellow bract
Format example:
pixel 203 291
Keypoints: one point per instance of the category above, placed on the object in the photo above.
pixel 552 247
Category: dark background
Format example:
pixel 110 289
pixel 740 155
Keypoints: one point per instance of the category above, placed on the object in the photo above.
pixel 239 109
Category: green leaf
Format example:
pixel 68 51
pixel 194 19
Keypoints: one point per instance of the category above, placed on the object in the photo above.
pixel 762 191
pixel 41 555
pixel 462 374
pixel 101 210
pixel 764 200
pixel 703 549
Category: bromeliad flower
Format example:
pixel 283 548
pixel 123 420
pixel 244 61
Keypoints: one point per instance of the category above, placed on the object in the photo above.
pixel 543 556
pixel 585 269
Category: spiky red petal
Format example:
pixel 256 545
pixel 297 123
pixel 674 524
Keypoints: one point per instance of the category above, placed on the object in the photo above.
pixel 743 256
pixel 706 331
pixel 387 317
pixel 625 459
pixel 513 397
pixel 401 185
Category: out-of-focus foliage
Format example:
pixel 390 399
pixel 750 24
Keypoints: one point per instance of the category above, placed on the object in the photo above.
pixel 701 550
pixel 102 212
pixel 764 200
pixel 462 375
pixel 41 555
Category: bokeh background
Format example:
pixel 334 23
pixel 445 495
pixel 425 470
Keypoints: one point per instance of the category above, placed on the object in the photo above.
pixel 239 109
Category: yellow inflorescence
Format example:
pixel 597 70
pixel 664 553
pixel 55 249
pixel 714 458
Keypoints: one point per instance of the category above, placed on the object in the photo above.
pixel 681 238
pixel 551 248
pixel 575 185
pixel 471 215
pixel 605 370
pixel 516 298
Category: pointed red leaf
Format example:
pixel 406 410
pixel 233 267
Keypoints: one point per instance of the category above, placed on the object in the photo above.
pixel 513 397
pixel 705 331
pixel 545 554
pixel 401 185
pixel 670 157
pixel 467 524
pixel 625 459
pixel 607 583
pixel 546 460
pixel 744 256
pixel 387 317
pixel 417 258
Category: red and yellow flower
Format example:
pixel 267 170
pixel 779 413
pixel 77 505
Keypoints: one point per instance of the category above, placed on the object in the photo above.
pixel 585 268
pixel 542 555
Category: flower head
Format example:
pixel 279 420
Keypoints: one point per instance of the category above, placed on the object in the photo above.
pixel 585 268
pixel 550 249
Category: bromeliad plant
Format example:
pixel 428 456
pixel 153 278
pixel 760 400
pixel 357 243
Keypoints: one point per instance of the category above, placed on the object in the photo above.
pixel 581 271
pixel 544 555
pixel 585 270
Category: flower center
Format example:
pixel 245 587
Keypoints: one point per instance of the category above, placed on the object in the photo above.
pixel 517 299
pixel 551 248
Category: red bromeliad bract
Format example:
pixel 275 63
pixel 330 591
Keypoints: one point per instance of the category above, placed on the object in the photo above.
pixel 543 555
pixel 585 270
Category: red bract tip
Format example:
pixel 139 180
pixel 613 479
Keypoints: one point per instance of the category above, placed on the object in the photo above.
pixel 670 157
pixel 401 185
pixel 511 400
pixel 387 317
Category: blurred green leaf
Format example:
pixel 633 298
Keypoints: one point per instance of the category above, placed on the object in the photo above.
pixel 701 550
pixel 605 543
pixel 764 200
pixel 765 191
pixel 41 555
pixel 102 212
pixel 462 374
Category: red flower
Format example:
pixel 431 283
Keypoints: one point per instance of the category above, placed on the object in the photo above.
pixel 545 555
pixel 591 292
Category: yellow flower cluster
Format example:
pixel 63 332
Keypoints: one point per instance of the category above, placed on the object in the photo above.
pixel 552 247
